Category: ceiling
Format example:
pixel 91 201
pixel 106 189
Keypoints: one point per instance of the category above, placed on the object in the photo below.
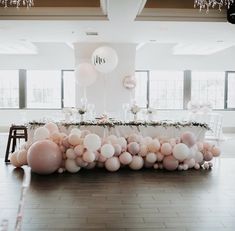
pixel 133 21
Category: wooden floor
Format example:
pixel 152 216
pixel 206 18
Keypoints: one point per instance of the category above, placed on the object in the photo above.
pixel 126 200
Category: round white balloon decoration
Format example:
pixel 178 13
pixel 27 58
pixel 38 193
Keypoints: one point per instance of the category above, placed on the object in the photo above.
pixel 104 59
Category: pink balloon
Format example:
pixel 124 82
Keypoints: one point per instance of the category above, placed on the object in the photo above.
pixel 188 138
pixel 65 142
pixel 143 150
pixel 112 164
pixel 56 137
pixel 125 158
pixel 208 156
pixel 14 161
pixel 88 156
pixel 170 163
pixel 134 138
pixel 133 148
pixel 80 162
pixel 215 151
pixel 79 150
pixel 44 157
pixel 190 162
pixel 154 146
pixel 160 157
pixel 200 146
pixel 22 157
pixel 117 149
pixel 52 127
pixel 136 163
pixel 166 149
pixel 102 158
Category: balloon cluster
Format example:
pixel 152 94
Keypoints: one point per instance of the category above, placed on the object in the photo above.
pixel 53 151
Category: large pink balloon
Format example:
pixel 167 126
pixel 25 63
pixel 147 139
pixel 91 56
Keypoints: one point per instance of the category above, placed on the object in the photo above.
pixel 170 163
pixel 44 157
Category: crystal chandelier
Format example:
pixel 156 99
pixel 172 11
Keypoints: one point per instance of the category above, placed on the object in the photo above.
pixel 206 4
pixel 17 3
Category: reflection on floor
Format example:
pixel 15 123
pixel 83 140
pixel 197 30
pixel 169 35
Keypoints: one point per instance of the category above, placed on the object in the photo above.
pixel 126 200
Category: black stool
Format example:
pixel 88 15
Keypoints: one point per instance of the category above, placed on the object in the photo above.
pixel 15 132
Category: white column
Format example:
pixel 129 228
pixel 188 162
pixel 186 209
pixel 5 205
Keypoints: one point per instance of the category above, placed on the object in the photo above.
pixel 116 94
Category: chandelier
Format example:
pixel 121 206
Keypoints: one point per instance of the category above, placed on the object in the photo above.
pixel 206 4
pixel 17 3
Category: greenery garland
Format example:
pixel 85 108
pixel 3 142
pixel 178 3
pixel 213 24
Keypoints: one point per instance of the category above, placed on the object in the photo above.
pixel 113 123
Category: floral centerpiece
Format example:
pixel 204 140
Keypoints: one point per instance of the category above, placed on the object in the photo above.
pixel 82 112
pixel 134 110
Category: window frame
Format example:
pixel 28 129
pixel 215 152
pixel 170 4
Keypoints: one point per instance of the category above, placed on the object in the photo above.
pixel 14 108
pixel 226 92
pixel 62 85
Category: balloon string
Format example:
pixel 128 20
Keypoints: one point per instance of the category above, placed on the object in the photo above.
pixel 105 84
pixel 24 188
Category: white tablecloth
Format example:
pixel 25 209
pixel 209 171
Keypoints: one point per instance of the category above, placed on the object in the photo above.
pixel 119 130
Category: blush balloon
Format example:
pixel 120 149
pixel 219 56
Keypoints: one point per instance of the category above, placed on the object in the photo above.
pixel 170 163
pixel 151 158
pixel 22 157
pixel 154 146
pixel 89 156
pixel 143 150
pixel 188 138
pixel 112 164
pixel 14 160
pixel 133 148
pixel 215 151
pixel 79 150
pixel 125 158
pixel 44 157
pixel 136 163
pixel 166 149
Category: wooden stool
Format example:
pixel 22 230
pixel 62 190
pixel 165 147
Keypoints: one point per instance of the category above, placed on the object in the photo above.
pixel 15 132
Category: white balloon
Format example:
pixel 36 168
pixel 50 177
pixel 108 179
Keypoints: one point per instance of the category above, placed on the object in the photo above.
pixel 41 133
pixel 71 166
pixel 151 157
pixel 105 59
pixel 107 150
pixel 76 131
pixel 85 74
pixel 92 142
pixel 181 151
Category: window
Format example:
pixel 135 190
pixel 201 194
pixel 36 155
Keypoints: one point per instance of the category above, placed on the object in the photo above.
pixel 68 89
pixel 141 88
pixel 231 92
pixel 166 89
pixel 43 89
pixel 9 89
pixel 208 87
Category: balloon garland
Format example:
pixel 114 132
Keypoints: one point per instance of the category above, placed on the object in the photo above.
pixel 82 149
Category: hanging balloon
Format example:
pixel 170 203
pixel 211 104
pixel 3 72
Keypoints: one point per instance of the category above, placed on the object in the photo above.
pixel 105 59
pixel 85 74
pixel 129 82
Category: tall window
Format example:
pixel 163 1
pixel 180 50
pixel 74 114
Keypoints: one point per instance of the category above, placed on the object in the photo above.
pixel 68 89
pixel 141 92
pixel 43 89
pixel 9 89
pixel 166 89
pixel 231 92
pixel 208 87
